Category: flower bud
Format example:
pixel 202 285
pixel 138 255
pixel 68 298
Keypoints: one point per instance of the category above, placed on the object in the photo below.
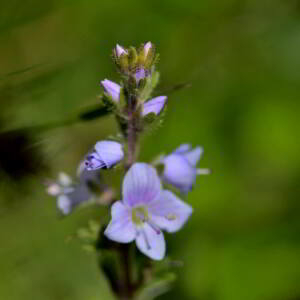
pixel 120 50
pixel 154 105
pixel 112 89
pixel 147 47
pixel 105 155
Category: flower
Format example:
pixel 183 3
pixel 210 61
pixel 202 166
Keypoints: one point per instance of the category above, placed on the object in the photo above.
pixel 61 189
pixel 70 195
pixel 120 50
pixel 112 89
pixel 180 167
pixel 105 155
pixel 154 105
pixel 146 210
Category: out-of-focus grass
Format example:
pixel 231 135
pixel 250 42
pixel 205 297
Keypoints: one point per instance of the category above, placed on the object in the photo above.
pixel 242 60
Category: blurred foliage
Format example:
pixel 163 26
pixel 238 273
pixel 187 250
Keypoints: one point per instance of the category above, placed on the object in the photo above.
pixel 242 61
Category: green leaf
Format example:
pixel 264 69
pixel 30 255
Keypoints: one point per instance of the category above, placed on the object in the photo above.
pixel 109 264
pixel 149 118
pixel 157 286
pixel 94 113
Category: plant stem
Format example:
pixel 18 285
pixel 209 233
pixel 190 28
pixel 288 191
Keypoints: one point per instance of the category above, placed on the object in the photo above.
pixel 131 132
pixel 132 138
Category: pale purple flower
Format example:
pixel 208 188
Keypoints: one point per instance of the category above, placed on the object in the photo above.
pixel 180 167
pixel 111 88
pixel 69 195
pixel 120 50
pixel 61 189
pixel 106 155
pixel 147 47
pixel 146 210
pixel 154 105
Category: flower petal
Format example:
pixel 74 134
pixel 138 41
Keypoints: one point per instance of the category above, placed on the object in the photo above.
pixel 182 148
pixel 154 105
pixel 178 172
pixel 140 74
pixel 110 152
pixel 141 185
pixel 151 243
pixel 64 179
pixel 64 204
pixel 54 189
pixel 194 155
pixel 120 229
pixel 168 212
pixel 111 88
pixel 93 161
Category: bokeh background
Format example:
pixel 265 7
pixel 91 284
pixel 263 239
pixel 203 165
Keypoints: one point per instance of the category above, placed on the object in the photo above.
pixel 242 59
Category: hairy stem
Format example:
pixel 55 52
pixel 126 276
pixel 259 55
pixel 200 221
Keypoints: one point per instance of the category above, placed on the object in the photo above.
pixel 131 132
pixel 132 139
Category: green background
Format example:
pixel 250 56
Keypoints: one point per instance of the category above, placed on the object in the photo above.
pixel 242 59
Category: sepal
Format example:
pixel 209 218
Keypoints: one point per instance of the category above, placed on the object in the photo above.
pixel 149 84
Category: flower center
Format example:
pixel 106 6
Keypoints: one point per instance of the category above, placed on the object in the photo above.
pixel 140 215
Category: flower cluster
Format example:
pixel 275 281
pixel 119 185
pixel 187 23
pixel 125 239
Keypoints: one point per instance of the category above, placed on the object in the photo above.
pixel 147 207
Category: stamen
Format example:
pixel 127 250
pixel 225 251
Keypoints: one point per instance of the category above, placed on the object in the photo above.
pixel 171 217
pixel 140 215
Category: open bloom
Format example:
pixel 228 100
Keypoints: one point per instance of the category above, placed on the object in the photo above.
pixel 69 195
pixel 61 189
pixel 180 167
pixel 105 155
pixel 154 105
pixel 146 210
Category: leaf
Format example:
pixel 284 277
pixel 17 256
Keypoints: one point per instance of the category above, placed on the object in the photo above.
pixel 21 71
pixel 94 113
pixel 174 88
pixel 158 286
pixel 108 262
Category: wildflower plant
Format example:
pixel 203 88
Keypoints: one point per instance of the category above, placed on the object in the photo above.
pixel 131 244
